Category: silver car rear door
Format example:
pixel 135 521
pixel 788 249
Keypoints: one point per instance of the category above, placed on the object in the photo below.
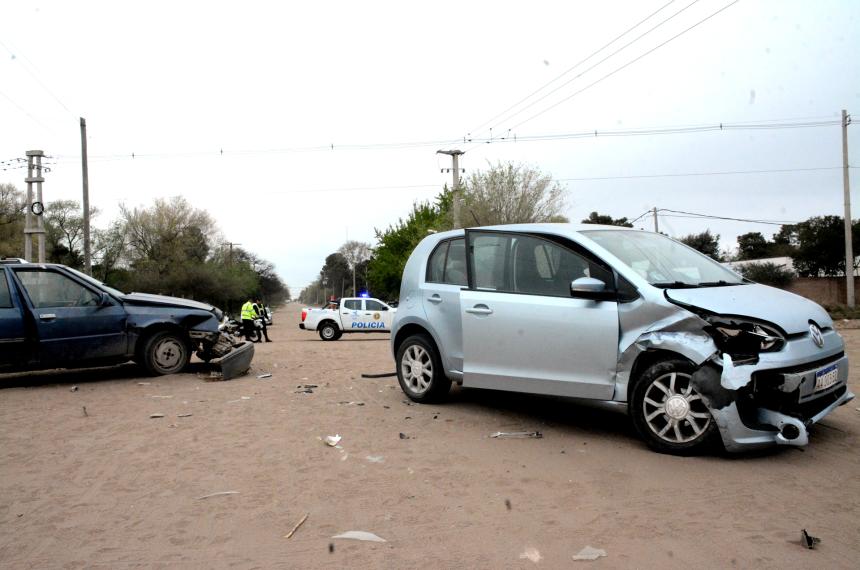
pixel 440 294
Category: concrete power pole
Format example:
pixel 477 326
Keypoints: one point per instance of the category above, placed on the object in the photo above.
pixel 33 223
pixel 88 261
pixel 849 249
pixel 456 206
pixel 656 226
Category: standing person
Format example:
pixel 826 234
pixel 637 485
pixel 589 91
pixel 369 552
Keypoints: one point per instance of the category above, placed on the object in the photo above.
pixel 261 312
pixel 248 316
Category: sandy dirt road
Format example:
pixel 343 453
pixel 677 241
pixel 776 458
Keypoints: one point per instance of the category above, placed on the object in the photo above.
pixel 116 489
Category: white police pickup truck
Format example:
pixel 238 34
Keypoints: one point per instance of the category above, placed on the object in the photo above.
pixel 349 315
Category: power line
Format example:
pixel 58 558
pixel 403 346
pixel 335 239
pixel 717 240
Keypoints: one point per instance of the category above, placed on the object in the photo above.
pixel 622 48
pixel 629 63
pixel 682 213
pixel 568 70
pixel 36 78
pixel 683 174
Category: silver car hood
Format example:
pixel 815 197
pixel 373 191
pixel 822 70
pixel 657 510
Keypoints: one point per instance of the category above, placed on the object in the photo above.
pixel 788 311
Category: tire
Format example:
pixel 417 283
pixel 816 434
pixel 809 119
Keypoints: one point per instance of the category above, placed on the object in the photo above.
pixel 329 331
pixel 420 372
pixel 687 427
pixel 165 352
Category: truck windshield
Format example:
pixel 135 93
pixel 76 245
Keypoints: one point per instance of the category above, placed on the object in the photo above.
pixel 663 261
pixel 96 282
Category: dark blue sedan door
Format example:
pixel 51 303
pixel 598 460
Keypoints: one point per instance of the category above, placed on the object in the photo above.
pixel 71 323
pixel 13 341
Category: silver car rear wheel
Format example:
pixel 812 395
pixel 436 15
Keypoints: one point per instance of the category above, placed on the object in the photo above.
pixel 674 411
pixel 419 370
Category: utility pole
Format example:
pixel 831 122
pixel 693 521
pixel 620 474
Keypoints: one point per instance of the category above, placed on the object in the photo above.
pixel 33 222
pixel 455 207
pixel 231 244
pixel 88 262
pixel 656 226
pixel 849 249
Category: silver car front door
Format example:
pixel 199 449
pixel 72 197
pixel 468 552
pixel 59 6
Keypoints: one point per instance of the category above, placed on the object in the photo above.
pixel 522 330
pixel 440 294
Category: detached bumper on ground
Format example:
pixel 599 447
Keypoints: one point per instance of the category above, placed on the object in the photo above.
pixel 236 362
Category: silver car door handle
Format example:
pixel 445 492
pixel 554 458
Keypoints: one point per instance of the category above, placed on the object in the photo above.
pixel 480 310
pixel 435 299
pixel 47 316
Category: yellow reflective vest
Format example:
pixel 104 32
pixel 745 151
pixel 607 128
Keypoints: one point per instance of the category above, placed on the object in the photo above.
pixel 248 312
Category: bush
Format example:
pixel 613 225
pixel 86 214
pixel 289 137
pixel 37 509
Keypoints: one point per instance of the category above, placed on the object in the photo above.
pixel 767 274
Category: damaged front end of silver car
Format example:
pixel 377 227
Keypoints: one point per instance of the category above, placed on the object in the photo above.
pixel 762 386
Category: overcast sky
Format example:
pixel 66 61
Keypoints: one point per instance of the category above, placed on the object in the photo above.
pixel 270 84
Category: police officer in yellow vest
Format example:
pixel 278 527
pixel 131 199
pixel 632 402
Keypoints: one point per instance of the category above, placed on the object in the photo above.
pixel 248 316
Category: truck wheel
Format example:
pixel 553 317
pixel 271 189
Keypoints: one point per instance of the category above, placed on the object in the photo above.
pixel 668 412
pixel 165 352
pixel 419 370
pixel 329 331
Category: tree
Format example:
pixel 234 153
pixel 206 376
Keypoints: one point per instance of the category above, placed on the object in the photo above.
pixel 705 242
pixel 595 218
pixel 11 221
pixel 767 273
pixel 753 245
pixel 64 232
pixel 821 246
pixel 511 194
pixel 395 244
pixel 335 273
pixel 355 252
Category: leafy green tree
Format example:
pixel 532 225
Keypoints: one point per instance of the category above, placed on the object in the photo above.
pixel 595 218
pixel 821 246
pixel 395 244
pixel 11 221
pixel 705 242
pixel 753 245
pixel 767 273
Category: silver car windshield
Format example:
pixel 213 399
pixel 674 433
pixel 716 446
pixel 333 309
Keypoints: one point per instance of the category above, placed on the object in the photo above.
pixel 663 261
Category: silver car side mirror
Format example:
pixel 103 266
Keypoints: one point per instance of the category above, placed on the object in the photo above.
pixel 587 285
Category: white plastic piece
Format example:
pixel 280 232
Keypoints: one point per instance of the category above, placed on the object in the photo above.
pixel 734 377
pixel 589 553
pixel 332 440
pixel 532 554
pixel 360 535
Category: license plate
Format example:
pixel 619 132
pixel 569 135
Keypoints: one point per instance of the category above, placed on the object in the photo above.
pixel 826 377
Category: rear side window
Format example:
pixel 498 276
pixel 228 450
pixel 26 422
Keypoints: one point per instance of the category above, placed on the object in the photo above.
pixel 49 289
pixel 372 305
pixel 5 297
pixel 447 263
pixel 352 305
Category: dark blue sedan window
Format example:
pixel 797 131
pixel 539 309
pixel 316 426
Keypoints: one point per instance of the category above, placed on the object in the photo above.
pixel 5 298
pixel 50 289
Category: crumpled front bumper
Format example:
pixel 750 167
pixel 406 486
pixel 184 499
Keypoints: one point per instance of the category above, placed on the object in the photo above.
pixel 236 362
pixel 737 436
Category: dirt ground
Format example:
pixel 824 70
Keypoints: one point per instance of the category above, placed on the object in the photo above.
pixel 113 488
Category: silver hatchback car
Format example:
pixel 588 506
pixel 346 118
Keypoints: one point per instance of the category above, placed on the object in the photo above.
pixel 697 353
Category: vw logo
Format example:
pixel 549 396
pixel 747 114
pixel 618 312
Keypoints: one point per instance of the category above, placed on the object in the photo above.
pixel 815 332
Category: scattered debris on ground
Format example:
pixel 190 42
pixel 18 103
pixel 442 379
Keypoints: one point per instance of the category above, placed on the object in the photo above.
pixel 161 397
pixel 404 436
pixel 144 383
pixel 156 415
pixel 516 435
pixel 360 535
pixel 218 494
pixel 84 408
pixel 508 504
pixel 73 389
pixel 375 458
pixel 298 524
pixel 589 553
pixel 184 415
pixel 332 440
pixel 262 376
pixel 306 388
pixel 382 375
pixel 350 403
pixel 808 540
pixel 532 554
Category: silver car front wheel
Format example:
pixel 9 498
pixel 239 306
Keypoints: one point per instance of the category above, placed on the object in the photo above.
pixel 668 412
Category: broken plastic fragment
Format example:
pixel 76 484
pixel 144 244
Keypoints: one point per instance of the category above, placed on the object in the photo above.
pixel 218 494
pixel 516 434
pixel 589 553
pixel 266 375
pixel 360 535
pixel 532 554
pixel 156 415
pixel 375 458
pixel 332 440
pixel 734 377
pixel 807 540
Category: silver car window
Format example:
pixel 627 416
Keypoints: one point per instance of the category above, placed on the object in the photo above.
pixel 455 265
pixel 436 265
